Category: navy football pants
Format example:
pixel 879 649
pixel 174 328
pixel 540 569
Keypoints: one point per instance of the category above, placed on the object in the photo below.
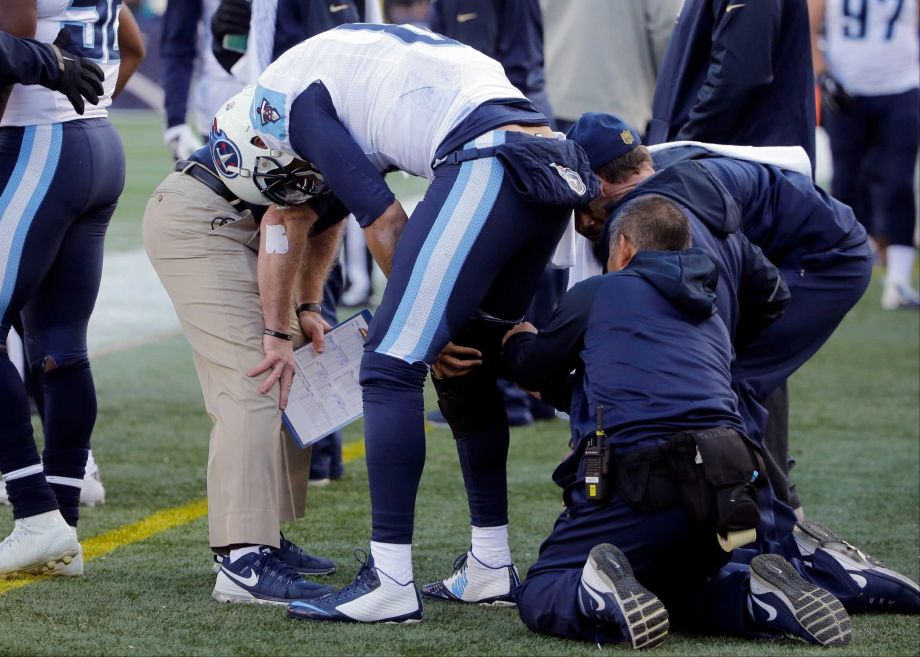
pixel 472 244
pixel 60 186
pixel 885 131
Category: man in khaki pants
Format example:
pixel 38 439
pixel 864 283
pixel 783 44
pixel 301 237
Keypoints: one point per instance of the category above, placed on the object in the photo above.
pixel 204 244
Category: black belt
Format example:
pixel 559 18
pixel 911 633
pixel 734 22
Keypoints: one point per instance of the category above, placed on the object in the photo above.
pixel 207 178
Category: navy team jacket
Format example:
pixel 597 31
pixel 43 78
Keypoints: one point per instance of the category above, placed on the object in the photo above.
pixel 738 72
pixel 646 343
pixel 751 292
pixel 26 61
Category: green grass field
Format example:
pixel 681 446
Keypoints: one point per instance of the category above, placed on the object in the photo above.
pixel 855 433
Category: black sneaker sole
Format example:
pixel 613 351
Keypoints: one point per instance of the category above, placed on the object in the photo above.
pixel 646 618
pixel 819 613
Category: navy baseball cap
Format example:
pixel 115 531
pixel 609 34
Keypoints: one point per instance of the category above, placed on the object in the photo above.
pixel 604 137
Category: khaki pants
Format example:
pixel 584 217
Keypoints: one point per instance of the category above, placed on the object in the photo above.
pixel 257 476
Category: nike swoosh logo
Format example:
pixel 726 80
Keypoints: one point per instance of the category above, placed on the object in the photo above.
pixel 771 611
pixel 462 18
pixel 597 598
pixel 733 7
pixel 337 8
pixel 859 579
pixel 252 580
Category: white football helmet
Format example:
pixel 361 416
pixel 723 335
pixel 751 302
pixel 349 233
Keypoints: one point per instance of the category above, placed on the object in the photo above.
pixel 252 171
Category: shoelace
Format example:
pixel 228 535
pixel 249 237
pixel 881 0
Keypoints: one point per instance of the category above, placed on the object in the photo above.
pixel 363 579
pixel 288 546
pixel 273 567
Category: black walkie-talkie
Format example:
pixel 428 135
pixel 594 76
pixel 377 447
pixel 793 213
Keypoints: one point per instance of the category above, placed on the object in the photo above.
pixel 596 461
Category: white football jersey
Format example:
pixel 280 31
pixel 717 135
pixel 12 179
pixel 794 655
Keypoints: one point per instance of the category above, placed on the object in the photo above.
pixel 93 27
pixel 399 90
pixel 872 46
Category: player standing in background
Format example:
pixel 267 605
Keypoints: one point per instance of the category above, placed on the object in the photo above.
pixel 192 77
pixel 869 72
pixel 62 175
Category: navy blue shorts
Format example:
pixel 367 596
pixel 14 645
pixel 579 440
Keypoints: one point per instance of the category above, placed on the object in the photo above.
pixel 60 186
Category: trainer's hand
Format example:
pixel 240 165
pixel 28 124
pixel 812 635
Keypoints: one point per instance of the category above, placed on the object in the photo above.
pixel 78 78
pixel 182 141
pixel 456 361
pixel 279 359
pixel 523 327
pixel 314 328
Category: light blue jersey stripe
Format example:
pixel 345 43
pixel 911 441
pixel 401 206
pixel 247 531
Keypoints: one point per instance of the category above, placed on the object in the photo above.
pixel 410 296
pixel 38 158
pixel 446 247
pixel 496 174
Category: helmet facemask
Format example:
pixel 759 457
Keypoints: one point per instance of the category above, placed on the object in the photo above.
pixel 287 184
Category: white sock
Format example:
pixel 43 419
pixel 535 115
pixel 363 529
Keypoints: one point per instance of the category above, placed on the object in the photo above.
pixel 900 263
pixel 490 546
pixel 236 553
pixel 394 559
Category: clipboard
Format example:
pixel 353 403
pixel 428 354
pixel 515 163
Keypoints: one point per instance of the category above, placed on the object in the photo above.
pixel 326 395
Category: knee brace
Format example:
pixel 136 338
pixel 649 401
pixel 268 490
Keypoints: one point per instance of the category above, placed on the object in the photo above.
pixel 471 403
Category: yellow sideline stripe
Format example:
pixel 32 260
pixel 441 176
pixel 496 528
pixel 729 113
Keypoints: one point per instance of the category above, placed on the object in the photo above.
pixel 156 523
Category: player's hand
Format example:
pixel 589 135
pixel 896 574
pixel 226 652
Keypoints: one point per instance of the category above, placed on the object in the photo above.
pixel 833 95
pixel 456 361
pixel 182 141
pixel 523 327
pixel 279 360
pixel 78 78
pixel 314 327
pixel 231 17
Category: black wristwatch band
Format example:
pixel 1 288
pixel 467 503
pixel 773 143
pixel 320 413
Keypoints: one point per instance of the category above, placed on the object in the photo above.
pixel 278 334
pixel 309 308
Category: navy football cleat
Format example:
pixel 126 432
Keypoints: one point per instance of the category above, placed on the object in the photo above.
pixel 879 588
pixel 474 582
pixel 373 597
pixel 262 577
pixel 610 593
pixel 303 563
pixel 782 601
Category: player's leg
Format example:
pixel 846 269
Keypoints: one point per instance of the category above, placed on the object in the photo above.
pixel 823 288
pixel 34 214
pixel 57 315
pixel 475 409
pixel 424 305
pixel 899 136
pixel 850 134
pixel 204 254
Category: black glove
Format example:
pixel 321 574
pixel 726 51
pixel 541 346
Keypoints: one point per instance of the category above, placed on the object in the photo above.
pixel 78 78
pixel 833 95
pixel 231 17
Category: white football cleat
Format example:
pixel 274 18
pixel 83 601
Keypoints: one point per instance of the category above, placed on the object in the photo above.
pixel 93 492
pixel 473 581
pixel 38 544
pixel 899 295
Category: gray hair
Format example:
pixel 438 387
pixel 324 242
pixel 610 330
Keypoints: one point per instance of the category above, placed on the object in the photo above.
pixel 652 223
